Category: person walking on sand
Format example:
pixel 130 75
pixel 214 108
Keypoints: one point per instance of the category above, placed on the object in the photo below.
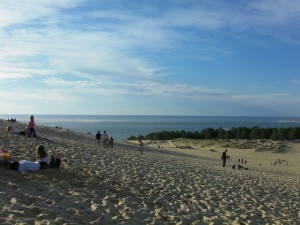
pixel 224 157
pixel 141 147
pixel 30 126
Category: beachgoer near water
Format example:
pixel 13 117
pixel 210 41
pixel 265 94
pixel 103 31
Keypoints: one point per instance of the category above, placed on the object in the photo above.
pixel 30 126
pixel 98 138
pixel 224 157
pixel 111 142
pixel 105 139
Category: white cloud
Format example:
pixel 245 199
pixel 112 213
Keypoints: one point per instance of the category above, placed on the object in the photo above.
pixel 20 12
pixel 110 55
pixel 60 82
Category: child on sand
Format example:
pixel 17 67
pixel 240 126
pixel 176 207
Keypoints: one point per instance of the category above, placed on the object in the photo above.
pixel 30 126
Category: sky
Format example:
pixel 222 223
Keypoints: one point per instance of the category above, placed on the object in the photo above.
pixel 150 57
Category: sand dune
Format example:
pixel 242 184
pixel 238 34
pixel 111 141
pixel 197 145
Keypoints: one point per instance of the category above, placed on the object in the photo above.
pixel 174 182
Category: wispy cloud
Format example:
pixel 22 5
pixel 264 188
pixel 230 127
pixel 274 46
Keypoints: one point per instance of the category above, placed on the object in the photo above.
pixel 53 41
pixel 295 81
pixel 74 49
pixel 60 82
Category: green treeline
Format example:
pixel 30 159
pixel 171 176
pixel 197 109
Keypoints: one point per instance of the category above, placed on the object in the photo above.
pixel 290 133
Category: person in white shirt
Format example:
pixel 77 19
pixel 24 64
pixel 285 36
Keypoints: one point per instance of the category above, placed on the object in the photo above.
pixel 25 165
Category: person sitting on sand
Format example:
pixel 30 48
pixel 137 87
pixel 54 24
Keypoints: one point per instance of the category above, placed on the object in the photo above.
pixel 41 154
pixel 240 167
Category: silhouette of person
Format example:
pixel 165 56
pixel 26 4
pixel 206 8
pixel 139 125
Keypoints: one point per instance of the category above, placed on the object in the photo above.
pixel 224 157
pixel 141 147
pixel 98 137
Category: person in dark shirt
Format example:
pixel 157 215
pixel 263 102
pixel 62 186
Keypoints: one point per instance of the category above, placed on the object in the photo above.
pixel 98 137
pixel 224 157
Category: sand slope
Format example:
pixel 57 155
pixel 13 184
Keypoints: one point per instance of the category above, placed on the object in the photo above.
pixel 164 186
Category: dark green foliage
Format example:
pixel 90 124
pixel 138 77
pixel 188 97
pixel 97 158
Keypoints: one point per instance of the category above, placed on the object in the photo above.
pixel 294 133
pixel 221 133
pixel 291 133
pixel 209 133
pixel 274 134
pixel 132 138
pixel 255 133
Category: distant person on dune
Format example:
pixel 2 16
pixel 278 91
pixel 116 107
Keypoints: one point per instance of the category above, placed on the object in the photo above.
pixel 141 147
pixel 224 157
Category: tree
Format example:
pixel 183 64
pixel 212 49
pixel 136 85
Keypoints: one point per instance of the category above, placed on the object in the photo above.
pixel 255 133
pixel 283 134
pixel 294 133
pixel 274 135
pixel 209 133
pixel 221 133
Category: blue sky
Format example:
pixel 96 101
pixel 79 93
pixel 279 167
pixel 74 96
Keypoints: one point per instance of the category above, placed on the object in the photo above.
pixel 158 57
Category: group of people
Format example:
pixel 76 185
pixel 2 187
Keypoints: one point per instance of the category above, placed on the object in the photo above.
pixel 42 161
pixel 29 130
pixel 104 140
pixel 225 157
pixel 242 161
pixel 279 161
pixel 239 167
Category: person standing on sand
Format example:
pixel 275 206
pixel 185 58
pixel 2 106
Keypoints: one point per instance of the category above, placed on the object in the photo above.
pixel 105 139
pixel 224 157
pixel 98 137
pixel 30 126
pixel 141 147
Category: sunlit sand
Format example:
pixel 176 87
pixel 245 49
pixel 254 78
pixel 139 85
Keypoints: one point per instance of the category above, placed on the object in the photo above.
pixel 173 182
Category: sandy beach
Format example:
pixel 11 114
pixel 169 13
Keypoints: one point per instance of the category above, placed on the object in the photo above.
pixel 174 182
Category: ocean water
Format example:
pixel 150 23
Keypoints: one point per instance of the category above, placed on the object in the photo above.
pixel 122 127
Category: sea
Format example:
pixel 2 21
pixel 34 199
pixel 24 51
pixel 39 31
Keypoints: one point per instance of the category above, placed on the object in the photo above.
pixel 121 127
